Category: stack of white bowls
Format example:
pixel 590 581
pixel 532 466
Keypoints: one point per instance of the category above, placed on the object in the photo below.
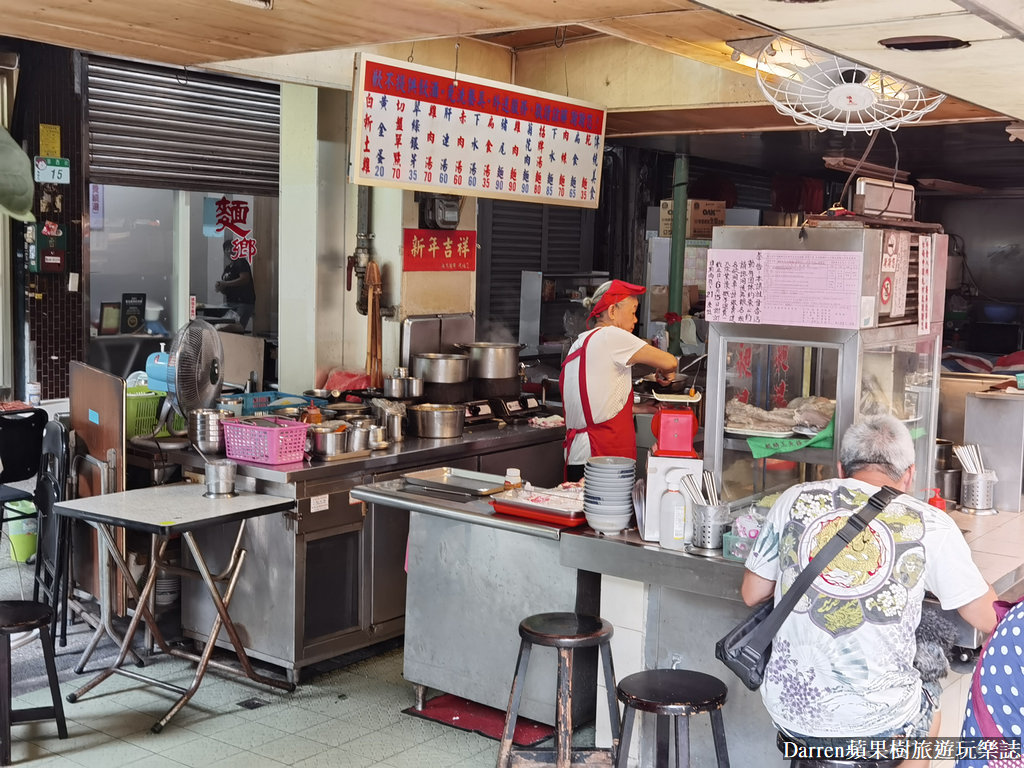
pixel 608 492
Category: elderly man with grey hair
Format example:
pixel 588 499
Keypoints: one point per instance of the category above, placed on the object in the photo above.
pixel 842 662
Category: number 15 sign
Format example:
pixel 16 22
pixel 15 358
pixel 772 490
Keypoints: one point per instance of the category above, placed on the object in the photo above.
pixel 419 128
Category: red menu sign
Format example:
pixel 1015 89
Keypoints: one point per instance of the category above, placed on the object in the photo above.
pixel 439 250
pixel 421 128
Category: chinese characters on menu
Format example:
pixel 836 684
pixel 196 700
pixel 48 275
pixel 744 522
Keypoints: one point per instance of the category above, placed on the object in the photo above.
pixel 819 289
pixel 421 129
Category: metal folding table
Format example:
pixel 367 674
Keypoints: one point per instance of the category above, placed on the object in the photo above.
pixel 165 510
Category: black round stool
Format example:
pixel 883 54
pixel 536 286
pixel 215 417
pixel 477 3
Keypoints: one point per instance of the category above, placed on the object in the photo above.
pixel 24 616
pixel 802 762
pixel 675 694
pixel 566 632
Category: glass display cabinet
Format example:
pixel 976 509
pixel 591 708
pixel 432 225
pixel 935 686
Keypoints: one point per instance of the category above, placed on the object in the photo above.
pixel 780 395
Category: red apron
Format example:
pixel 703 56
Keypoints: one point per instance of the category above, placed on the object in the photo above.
pixel 615 437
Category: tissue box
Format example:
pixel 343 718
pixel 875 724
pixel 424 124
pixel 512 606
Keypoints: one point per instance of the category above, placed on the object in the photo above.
pixel 735 547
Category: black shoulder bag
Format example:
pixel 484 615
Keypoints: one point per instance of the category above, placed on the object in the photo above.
pixel 748 646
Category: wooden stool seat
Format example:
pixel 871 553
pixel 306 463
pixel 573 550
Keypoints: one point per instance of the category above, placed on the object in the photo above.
pixel 24 616
pixel 673 694
pixel 798 762
pixel 565 632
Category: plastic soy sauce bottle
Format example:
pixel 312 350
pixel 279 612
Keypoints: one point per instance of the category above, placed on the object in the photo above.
pixel 513 479
pixel 672 518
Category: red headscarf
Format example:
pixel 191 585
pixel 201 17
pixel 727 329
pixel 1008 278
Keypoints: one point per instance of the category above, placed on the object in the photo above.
pixel 616 292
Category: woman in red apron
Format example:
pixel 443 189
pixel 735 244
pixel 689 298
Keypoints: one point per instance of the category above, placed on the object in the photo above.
pixel 596 380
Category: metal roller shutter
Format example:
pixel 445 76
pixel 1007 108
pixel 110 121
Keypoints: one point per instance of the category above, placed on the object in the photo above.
pixel 517 236
pixel 169 128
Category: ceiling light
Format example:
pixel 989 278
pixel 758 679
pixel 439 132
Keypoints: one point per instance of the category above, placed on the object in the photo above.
pixel 924 43
pixel 871 170
pixel 263 5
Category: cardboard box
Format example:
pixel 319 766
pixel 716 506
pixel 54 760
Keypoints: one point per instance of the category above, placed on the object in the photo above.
pixel 665 218
pixel 702 216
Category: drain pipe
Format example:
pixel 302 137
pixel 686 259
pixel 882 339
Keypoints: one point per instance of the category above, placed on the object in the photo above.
pixel 680 178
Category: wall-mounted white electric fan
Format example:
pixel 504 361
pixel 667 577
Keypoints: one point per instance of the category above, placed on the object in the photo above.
pixel 826 91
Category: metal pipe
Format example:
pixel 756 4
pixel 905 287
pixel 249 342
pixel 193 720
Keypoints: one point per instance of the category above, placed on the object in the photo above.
pixel 680 178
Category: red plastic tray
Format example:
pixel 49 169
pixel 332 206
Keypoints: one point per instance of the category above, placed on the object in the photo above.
pixel 556 518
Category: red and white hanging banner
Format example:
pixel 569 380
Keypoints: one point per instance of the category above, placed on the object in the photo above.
pixel 439 250
pixel 419 128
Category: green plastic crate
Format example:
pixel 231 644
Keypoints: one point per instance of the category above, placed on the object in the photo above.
pixel 142 409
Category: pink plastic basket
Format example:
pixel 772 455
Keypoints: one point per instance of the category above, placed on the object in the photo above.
pixel 265 445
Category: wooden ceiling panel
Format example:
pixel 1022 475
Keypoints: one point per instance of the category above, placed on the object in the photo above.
pixel 698 34
pixel 197 31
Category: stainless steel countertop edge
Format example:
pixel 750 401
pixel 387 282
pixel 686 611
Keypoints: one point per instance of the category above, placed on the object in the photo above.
pixel 627 556
pixel 389 493
pixel 410 452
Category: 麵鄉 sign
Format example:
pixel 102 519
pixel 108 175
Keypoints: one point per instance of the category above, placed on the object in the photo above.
pixel 420 128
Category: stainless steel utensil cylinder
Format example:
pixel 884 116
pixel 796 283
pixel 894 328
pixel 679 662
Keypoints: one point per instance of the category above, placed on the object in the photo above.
pixel 220 477
pixel 395 427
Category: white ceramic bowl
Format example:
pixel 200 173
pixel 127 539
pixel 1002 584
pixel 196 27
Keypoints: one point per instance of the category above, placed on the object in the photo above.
pixel 608 509
pixel 608 523
pixel 610 461
pixel 610 473
pixel 607 498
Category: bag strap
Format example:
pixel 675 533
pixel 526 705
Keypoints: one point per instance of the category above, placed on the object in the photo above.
pixel 762 636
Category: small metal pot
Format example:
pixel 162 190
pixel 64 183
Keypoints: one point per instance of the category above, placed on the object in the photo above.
pixel 358 438
pixel 440 369
pixel 328 442
pixel 492 360
pixel 436 421
pixel 402 387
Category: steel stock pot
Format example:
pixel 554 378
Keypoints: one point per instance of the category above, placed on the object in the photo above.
pixel 440 369
pixel 492 360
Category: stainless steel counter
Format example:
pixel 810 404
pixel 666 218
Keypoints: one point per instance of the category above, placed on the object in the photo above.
pixel 410 452
pixel 333 569
pixel 397 493
pixel 473 576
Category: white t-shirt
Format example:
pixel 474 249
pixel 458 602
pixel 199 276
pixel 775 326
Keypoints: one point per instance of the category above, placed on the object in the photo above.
pixel 842 662
pixel 609 382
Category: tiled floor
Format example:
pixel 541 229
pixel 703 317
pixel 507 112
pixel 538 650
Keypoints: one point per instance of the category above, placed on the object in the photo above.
pixel 347 718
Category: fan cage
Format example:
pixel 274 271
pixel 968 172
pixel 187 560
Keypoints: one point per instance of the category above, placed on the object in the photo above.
pixel 829 92
pixel 194 377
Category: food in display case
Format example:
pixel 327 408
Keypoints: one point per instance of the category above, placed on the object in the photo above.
pixel 812 412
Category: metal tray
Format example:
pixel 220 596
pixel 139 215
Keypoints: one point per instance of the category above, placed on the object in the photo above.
pixel 456 481
pixel 559 505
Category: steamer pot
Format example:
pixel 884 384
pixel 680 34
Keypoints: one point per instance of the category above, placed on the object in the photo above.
pixel 440 369
pixel 492 360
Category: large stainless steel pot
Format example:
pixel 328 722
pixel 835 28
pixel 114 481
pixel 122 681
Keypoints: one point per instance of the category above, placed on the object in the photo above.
pixel 440 369
pixel 492 360
pixel 430 420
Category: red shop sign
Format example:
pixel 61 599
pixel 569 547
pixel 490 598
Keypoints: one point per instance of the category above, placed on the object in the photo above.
pixel 439 250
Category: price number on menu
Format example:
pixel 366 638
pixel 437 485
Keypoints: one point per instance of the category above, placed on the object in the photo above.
pixel 52 170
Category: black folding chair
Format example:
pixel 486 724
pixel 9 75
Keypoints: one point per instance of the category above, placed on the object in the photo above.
pixel 53 547
pixel 21 443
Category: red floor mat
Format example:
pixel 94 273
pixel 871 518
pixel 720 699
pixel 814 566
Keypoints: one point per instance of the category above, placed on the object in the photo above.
pixel 470 716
